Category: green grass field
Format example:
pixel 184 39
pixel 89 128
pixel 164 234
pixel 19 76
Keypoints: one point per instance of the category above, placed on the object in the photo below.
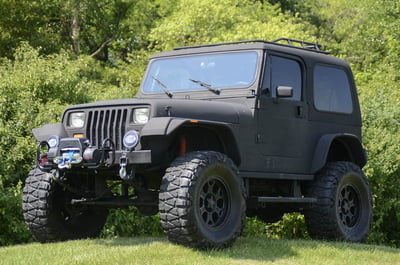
pixel 151 250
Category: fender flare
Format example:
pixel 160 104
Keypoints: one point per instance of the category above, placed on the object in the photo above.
pixel 167 125
pixel 163 126
pixel 357 152
pixel 43 133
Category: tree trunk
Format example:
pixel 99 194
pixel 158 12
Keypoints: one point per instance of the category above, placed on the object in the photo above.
pixel 75 25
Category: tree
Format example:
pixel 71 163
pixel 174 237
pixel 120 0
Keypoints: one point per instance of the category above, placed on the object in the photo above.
pixel 205 21
pixel 37 22
pixel 105 29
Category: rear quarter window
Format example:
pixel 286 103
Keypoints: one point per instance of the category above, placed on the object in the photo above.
pixel 332 90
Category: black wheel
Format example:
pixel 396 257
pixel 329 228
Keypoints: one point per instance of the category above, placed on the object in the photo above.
pixel 344 207
pixel 48 215
pixel 202 201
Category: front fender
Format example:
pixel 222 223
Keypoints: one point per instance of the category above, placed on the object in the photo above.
pixel 161 126
pixel 43 133
pixel 164 126
pixel 167 125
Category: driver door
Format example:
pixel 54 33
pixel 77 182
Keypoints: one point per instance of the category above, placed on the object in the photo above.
pixel 282 116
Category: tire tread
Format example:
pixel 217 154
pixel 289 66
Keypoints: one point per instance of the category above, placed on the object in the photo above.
pixel 321 217
pixel 176 200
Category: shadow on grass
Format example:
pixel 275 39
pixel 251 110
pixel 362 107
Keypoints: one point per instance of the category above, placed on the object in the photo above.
pixel 130 241
pixel 359 246
pixel 245 248
pixel 257 249
pixel 267 249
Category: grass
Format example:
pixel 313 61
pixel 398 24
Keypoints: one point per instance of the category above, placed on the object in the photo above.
pixel 153 250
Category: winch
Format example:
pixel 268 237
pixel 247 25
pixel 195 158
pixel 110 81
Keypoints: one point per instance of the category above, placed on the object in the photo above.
pixel 68 157
pixel 66 152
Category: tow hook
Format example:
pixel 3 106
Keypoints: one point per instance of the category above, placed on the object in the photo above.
pixel 122 170
pixel 123 162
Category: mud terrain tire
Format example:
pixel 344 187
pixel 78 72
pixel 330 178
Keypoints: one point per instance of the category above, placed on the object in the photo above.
pixel 202 201
pixel 49 218
pixel 344 208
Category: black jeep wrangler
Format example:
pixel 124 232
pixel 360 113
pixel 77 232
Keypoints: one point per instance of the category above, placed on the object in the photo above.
pixel 216 133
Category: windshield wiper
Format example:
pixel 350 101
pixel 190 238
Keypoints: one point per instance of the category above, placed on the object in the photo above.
pixel 209 87
pixel 164 87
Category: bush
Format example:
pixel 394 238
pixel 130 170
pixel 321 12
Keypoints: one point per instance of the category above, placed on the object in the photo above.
pixel 128 223
pixel 13 229
pixel 292 225
pixel 380 100
pixel 34 91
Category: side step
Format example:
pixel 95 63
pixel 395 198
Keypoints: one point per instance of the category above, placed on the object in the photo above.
pixel 114 202
pixel 285 199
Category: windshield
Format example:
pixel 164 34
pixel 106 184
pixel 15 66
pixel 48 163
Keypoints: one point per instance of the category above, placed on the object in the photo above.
pixel 201 72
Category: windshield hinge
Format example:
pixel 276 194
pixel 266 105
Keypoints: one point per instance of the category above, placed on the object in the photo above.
pixel 251 93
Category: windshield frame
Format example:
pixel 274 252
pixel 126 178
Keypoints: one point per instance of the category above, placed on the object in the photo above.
pixel 197 87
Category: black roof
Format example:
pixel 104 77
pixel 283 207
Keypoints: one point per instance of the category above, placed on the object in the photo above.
pixel 307 50
pixel 288 42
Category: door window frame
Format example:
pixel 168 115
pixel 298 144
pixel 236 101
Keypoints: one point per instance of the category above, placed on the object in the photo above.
pixel 266 87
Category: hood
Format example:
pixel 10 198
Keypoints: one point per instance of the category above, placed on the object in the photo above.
pixel 218 111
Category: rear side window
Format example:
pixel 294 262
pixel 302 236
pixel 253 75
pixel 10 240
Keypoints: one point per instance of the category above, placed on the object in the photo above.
pixel 332 90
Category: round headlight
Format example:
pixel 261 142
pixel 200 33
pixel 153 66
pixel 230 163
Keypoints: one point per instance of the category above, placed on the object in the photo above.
pixel 53 141
pixel 131 139
pixel 141 115
pixel 77 119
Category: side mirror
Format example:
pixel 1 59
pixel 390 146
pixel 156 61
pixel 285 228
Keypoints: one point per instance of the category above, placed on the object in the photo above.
pixel 284 91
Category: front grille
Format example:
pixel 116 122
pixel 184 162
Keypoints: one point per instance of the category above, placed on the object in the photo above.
pixel 108 123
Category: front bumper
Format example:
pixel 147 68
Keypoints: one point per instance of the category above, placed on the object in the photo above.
pixel 134 157
pixel 77 152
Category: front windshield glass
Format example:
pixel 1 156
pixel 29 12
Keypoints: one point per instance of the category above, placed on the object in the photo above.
pixel 201 72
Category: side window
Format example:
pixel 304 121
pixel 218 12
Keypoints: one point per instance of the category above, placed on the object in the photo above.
pixel 332 90
pixel 286 72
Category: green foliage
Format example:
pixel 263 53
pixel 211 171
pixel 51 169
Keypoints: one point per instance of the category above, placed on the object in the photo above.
pixel 13 230
pixel 122 79
pixel 128 223
pixel 291 226
pixel 367 36
pixel 37 22
pixel 35 89
pixel 381 101
pixel 254 227
pixel 105 29
pixel 208 21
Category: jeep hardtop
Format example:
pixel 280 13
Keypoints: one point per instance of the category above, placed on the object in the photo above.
pixel 216 133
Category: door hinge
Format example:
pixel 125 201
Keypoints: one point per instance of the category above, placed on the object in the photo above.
pixel 258 138
pixel 300 112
